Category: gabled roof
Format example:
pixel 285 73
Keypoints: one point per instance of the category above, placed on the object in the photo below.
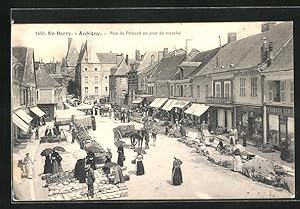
pixel 124 68
pixel 18 61
pixel 246 53
pixel 167 67
pixel 72 53
pixel 284 60
pixel 146 61
pixel 109 58
pixel 43 79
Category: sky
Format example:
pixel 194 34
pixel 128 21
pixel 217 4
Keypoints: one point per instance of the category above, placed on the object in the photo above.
pixel 51 40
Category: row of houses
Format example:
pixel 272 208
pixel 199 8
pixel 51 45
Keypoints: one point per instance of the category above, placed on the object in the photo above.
pixel 35 91
pixel 246 83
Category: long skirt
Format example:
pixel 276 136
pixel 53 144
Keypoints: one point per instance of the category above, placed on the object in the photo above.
pixel 140 168
pixel 47 166
pixel 237 164
pixel 56 167
pixel 177 176
pixel 29 170
pixel 80 173
pixel 121 159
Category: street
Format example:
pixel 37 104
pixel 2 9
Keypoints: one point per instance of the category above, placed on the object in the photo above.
pixel 201 179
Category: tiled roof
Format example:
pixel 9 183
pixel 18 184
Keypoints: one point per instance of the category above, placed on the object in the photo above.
pixel 123 68
pixel 146 61
pixel 109 58
pixel 167 67
pixel 246 53
pixel 284 60
pixel 43 79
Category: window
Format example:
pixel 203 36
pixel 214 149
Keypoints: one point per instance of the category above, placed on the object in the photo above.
pixel 206 90
pixel 96 90
pixel 282 91
pixel 217 89
pixel 85 69
pixel 181 91
pixel 198 91
pixel 242 87
pixel 291 91
pixel 86 90
pixel 270 91
pixel 253 86
pixel 86 79
pixel 172 91
pixel 274 90
pixel 106 88
pixel 96 79
pixel 227 89
pixel 95 69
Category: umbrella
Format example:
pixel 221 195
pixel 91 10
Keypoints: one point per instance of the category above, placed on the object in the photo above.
pixel 119 143
pixel 94 149
pixel 139 150
pixel 79 154
pixel 46 151
pixel 224 138
pixel 59 148
pixel 110 164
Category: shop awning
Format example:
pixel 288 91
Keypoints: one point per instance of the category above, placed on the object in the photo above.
pixel 37 111
pixel 24 116
pixel 19 122
pixel 201 108
pixel 170 104
pixel 137 101
pixel 191 109
pixel 83 106
pixel 181 104
pixel 67 113
pixel 161 102
pixel 156 100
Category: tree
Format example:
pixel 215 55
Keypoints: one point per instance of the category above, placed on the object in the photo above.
pixel 73 88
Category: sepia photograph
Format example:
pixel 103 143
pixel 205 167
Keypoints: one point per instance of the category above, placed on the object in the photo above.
pixel 152 111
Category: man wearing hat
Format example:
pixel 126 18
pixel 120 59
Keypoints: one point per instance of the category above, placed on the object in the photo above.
pixel 90 179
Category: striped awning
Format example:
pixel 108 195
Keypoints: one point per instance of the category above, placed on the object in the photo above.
pixel 37 111
pixel 170 104
pixel 137 101
pixel 156 100
pixel 161 102
pixel 181 104
pixel 19 122
pixel 201 108
pixel 24 116
pixel 191 109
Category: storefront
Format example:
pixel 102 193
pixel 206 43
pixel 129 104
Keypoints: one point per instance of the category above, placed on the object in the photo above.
pixel 49 110
pixel 249 119
pixel 21 124
pixel 36 113
pixel 280 124
pixel 179 107
pixel 222 117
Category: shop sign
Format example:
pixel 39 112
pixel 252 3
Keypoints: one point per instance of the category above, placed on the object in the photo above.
pixel 250 108
pixel 281 111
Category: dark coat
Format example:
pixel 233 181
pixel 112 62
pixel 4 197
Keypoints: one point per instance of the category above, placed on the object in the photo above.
pixel 121 156
pixel 80 172
pixel 47 166
pixel 90 177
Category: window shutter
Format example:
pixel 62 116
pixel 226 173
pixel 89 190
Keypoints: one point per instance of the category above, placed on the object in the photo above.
pixel 270 90
pixel 282 90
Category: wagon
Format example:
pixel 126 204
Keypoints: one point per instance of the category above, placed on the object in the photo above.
pixel 125 131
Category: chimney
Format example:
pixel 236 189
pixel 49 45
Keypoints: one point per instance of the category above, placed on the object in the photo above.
pixel 231 37
pixel 137 55
pixel 126 59
pixel 152 59
pixel 165 52
pixel 267 26
pixel 160 55
pixel 264 50
pixel 271 55
pixel 187 46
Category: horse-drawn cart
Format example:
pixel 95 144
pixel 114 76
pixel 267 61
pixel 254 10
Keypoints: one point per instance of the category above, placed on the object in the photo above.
pixel 125 131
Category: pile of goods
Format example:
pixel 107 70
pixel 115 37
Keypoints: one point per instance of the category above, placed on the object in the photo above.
pixel 64 186
pixel 86 141
pixel 51 139
pixel 221 160
pixel 174 132
pixel 136 117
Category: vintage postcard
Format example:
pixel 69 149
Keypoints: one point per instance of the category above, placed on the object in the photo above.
pixel 153 111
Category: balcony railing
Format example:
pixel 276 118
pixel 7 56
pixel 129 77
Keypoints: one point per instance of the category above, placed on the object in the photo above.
pixel 219 100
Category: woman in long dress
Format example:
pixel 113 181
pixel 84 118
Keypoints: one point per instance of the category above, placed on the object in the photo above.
pixel 121 156
pixel 237 161
pixel 139 165
pixel 28 166
pixel 176 172
pixel 80 172
pixel 56 162
pixel 47 166
pixel 119 177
